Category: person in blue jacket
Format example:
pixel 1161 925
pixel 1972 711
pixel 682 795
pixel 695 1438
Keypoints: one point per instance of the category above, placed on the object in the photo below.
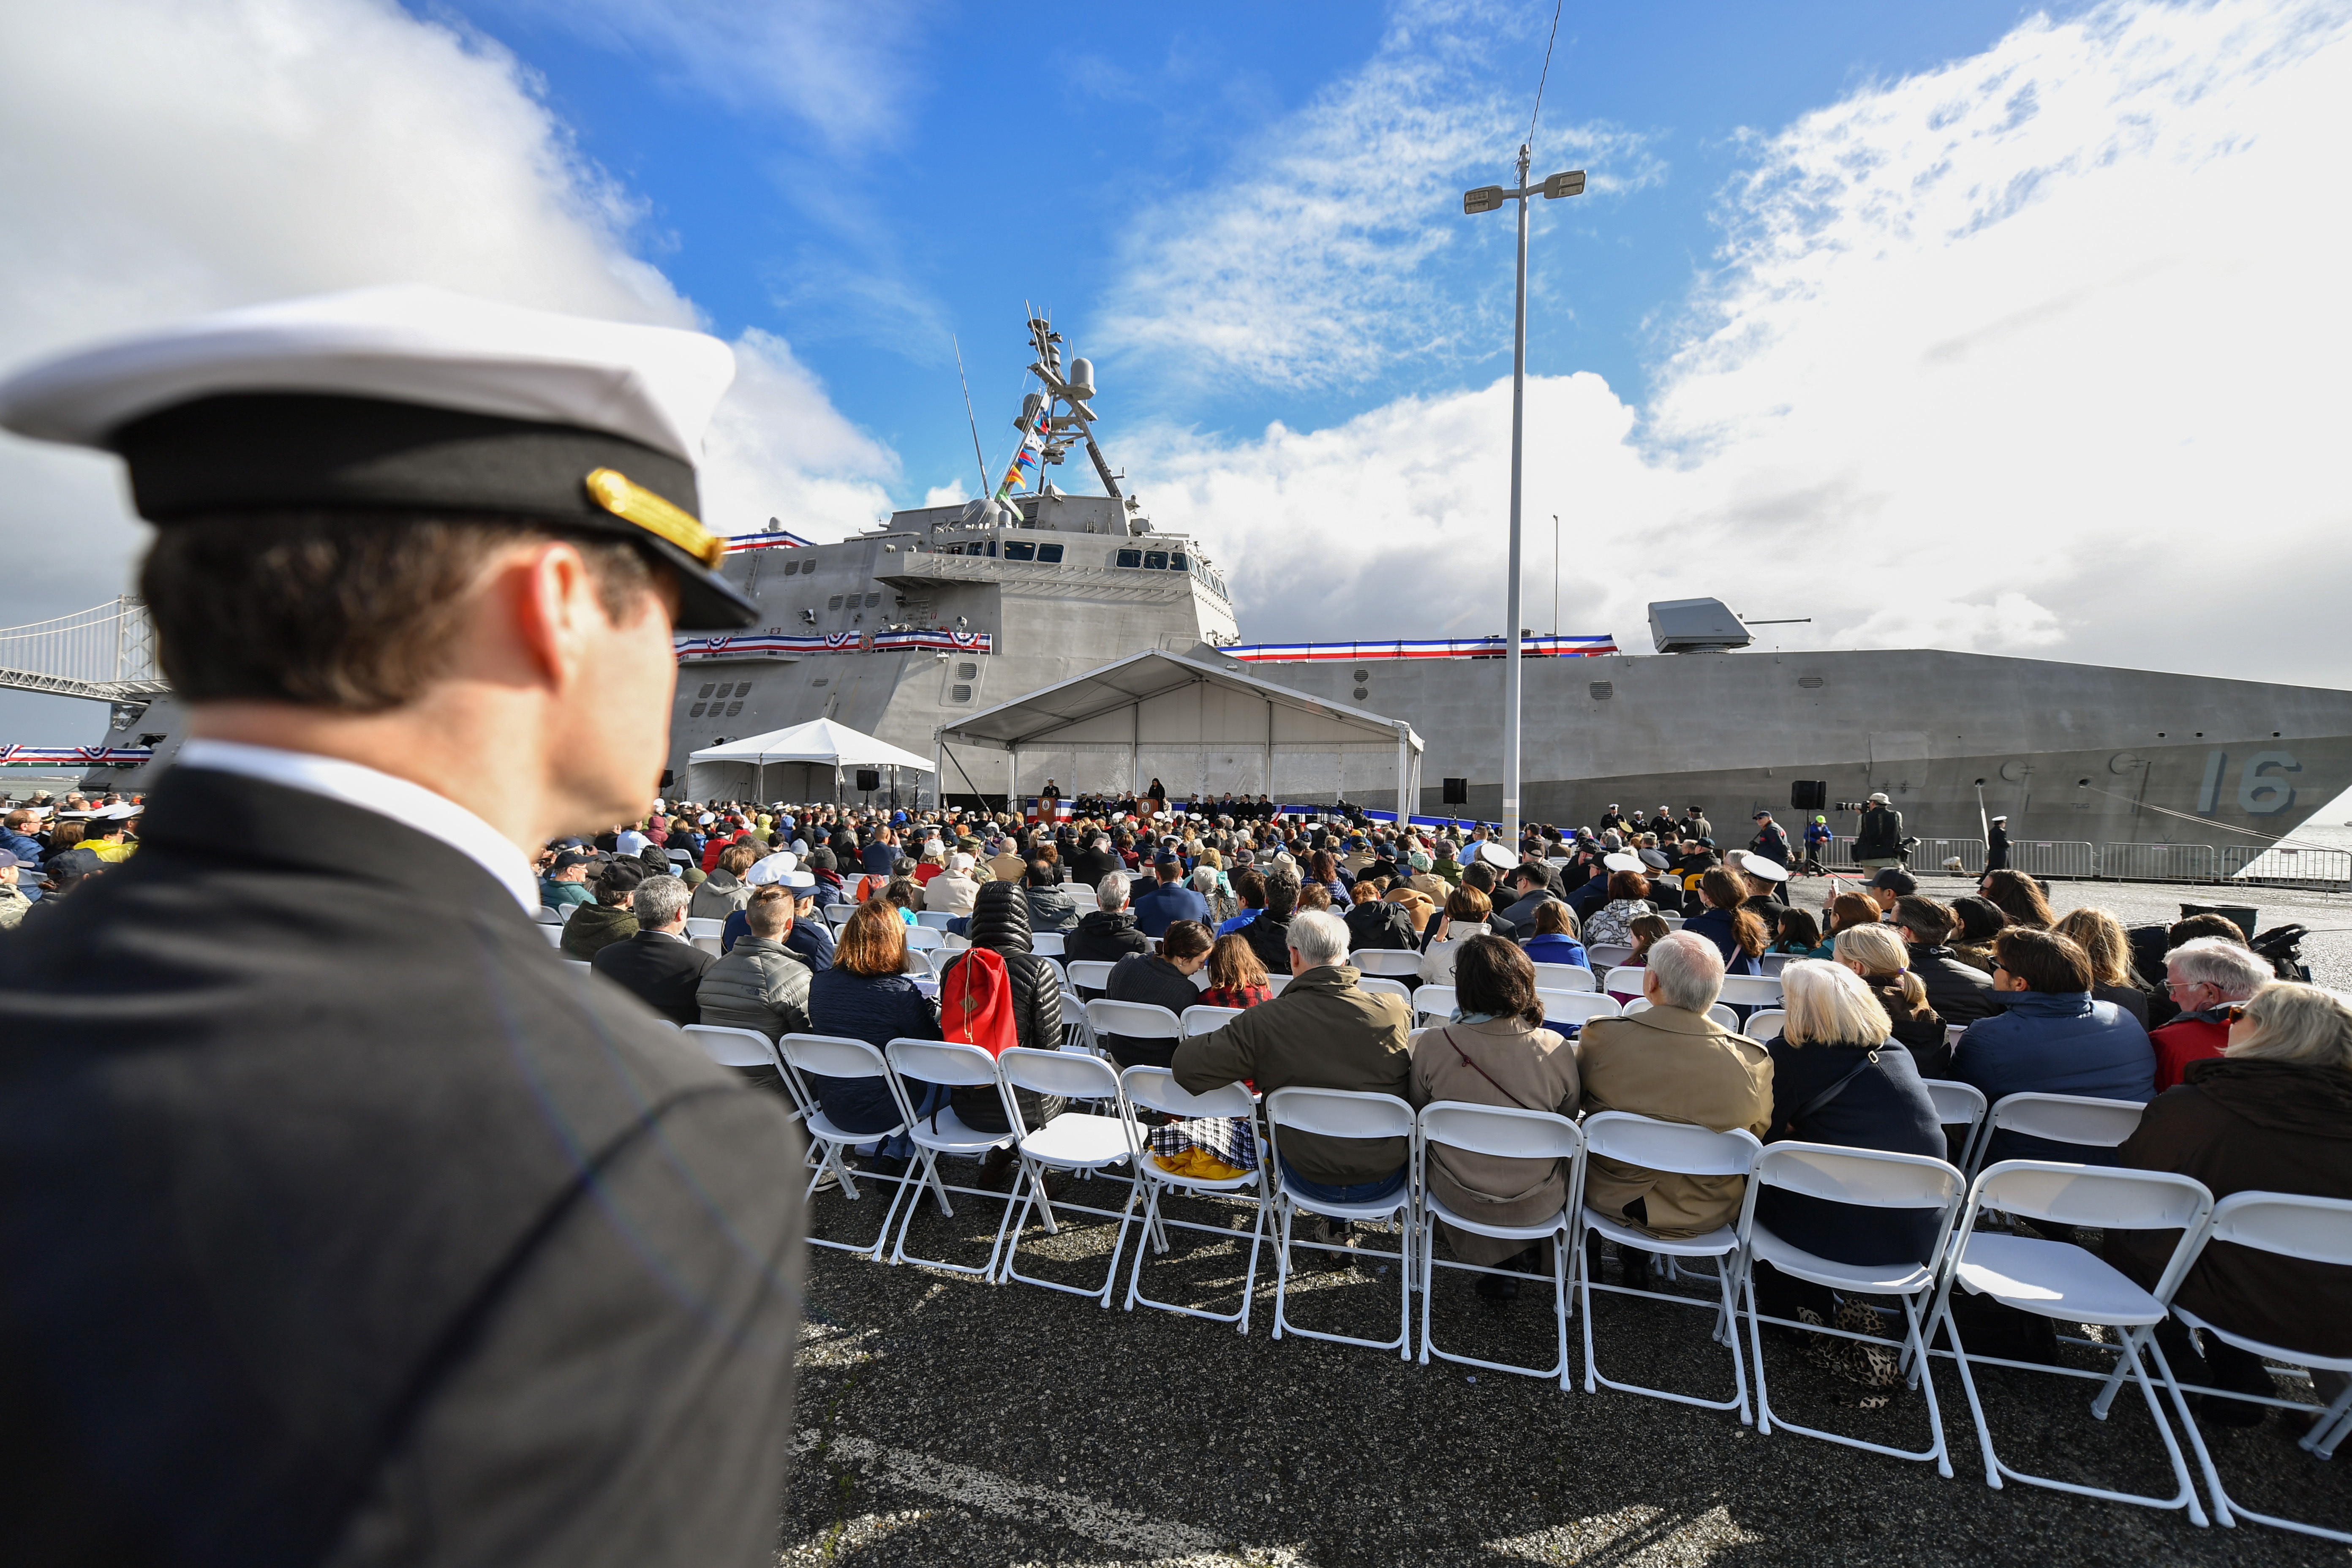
pixel 1169 901
pixel 1553 942
pixel 2052 1039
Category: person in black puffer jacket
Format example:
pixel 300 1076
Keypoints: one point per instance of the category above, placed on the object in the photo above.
pixel 1106 933
pixel 1000 923
pixel 1374 923
pixel 1269 934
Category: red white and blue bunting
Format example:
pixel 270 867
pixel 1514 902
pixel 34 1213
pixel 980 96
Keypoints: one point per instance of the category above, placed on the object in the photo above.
pixel 754 644
pixel 1443 648
pixel 75 756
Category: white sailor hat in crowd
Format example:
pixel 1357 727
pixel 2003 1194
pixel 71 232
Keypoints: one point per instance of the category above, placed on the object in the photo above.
pixel 1494 855
pixel 1621 861
pixel 1755 865
pixel 408 399
pixel 1999 816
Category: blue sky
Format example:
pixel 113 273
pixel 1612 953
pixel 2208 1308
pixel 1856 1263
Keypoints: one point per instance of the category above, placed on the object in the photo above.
pixel 983 162
pixel 1961 326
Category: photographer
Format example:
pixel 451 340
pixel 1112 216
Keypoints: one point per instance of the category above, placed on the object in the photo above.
pixel 1878 842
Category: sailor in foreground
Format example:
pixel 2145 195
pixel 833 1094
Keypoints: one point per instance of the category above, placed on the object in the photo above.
pixel 340 1221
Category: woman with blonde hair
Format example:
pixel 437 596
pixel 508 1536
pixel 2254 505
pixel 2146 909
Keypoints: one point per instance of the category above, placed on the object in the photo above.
pixel 1877 953
pixel 2113 979
pixel 1838 1076
pixel 2272 1114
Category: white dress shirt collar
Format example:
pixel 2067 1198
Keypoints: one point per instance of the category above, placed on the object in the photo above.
pixel 355 784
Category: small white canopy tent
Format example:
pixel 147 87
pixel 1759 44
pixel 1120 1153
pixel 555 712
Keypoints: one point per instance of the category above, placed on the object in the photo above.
pixel 806 761
pixel 1199 729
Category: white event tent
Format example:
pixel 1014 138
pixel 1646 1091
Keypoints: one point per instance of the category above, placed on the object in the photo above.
pixel 819 750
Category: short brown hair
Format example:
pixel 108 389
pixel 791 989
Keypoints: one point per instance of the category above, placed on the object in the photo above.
pixel 350 611
pixel 1493 976
pixel 1185 939
pixel 738 858
pixel 1467 903
pixel 770 911
pixel 873 942
pixel 1628 885
pixel 2045 961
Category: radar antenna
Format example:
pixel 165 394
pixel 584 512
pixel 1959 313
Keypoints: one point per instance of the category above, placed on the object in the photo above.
pixel 1054 432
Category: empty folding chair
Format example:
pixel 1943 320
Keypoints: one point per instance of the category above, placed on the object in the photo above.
pixel 1343 1113
pixel 564 914
pixel 1274 983
pixel 1565 977
pixel 2284 1224
pixel 553 933
pixel 1135 1020
pixel 833 1055
pixel 1203 1019
pixel 1673 922
pixel 1156 1089
pixel 1773 963
pixel 1576 1006
pixel 1396 963
pixel 1088 976
pixel 1045 943
pixel 698 925
pixel 1868 1178
pixel 1434 1002
pixel 953 940
pixel 1381 984
pixel 1751 991
pixel 2067 1284
pixel 1073 1141
pixel 2077 1119
pixel 549 915
pixel 1687 1151
pixel 1625 980
pixel 954 1063
pixel 1766 1022
pixel 937 920
pixel 923 939
pixel 1508 1132
pixel 1608 955
pixel 1959 1105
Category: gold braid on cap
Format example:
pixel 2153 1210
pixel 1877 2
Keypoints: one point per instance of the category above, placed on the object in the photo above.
pixel 634 504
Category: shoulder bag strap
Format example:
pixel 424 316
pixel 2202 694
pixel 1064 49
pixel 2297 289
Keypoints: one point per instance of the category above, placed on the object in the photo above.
pixel 1482 1072
pixel 1814 1106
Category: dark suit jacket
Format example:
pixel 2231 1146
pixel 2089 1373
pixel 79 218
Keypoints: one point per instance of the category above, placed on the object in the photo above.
pixel 337 1216
pixel 662 972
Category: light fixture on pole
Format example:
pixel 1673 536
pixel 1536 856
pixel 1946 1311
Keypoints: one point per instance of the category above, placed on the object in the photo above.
pixel 1486 199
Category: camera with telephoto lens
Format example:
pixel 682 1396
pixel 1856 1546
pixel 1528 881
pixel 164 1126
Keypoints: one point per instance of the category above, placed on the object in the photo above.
pixel 1853 805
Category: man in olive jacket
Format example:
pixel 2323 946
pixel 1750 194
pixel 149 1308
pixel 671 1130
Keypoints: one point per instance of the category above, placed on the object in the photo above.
pixel 1673 1063
pixel 1322 1032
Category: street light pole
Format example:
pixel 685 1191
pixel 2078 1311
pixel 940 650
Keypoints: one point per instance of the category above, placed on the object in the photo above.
pixel 1486 199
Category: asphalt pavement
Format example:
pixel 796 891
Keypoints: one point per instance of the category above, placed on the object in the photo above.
pixel 944 1420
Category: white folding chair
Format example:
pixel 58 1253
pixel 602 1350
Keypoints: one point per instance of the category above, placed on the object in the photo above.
pixel 2286 1224
pixel 563 913
pixel 1576 1007
pixel 581 965
pixel 1274 983
pixel 1156 1089
pixel 1609 955
pixel 954 941
pixel 1046 943
pixel 923 939
pixel 1774 962
pixel 1686 1150
pixel 1868 1178
pixel 1956 1105
pixel 1073 1141
pixel 1381 984
pixel 732 1047
pixel 1720 1013
pixel 937 920
pixel 1510 1132
pixel 833 1055
pixel 838 914
pixel 1343 1113
pixel 549 916
pixel 1396 963
pixel 2064 1282
pixel 553 933
pixel 1952 1033
pixel 959 1065
pixel 1625 979
pixel 2059 1118
pixel 1087 975
pixel 698 925
pixel 1565 977
pixel 1202 1019
pixel 1436 1002
pixel 1084 897
pixel 1766 1022
pixel 1673 922
pixel 938 958
pixel 1751 991
pixel 1135 1020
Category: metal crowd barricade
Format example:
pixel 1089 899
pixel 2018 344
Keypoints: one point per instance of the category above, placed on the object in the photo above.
pixel 2277 863
pixel 1929 855
pixel 2053 859
pixel 2157 862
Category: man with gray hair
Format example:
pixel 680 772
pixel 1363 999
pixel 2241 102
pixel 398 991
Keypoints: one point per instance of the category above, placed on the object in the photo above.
pixel 1323 1032
pixel 1108 932
pixel 1673 1062
pixel 2204 976
pixel 658 965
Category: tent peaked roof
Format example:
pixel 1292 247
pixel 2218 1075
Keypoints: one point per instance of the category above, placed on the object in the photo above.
pixel 819 741
pixel 1140 678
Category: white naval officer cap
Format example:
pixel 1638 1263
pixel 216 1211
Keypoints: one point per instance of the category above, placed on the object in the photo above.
pixel 407 399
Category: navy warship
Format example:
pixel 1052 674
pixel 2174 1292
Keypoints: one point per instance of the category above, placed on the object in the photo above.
pixel 938 613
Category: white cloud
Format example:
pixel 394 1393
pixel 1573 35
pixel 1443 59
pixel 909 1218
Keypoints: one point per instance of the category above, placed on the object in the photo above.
pixel 159 160
pixel 2041 352
pixel 1314 264
pixel 843 71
